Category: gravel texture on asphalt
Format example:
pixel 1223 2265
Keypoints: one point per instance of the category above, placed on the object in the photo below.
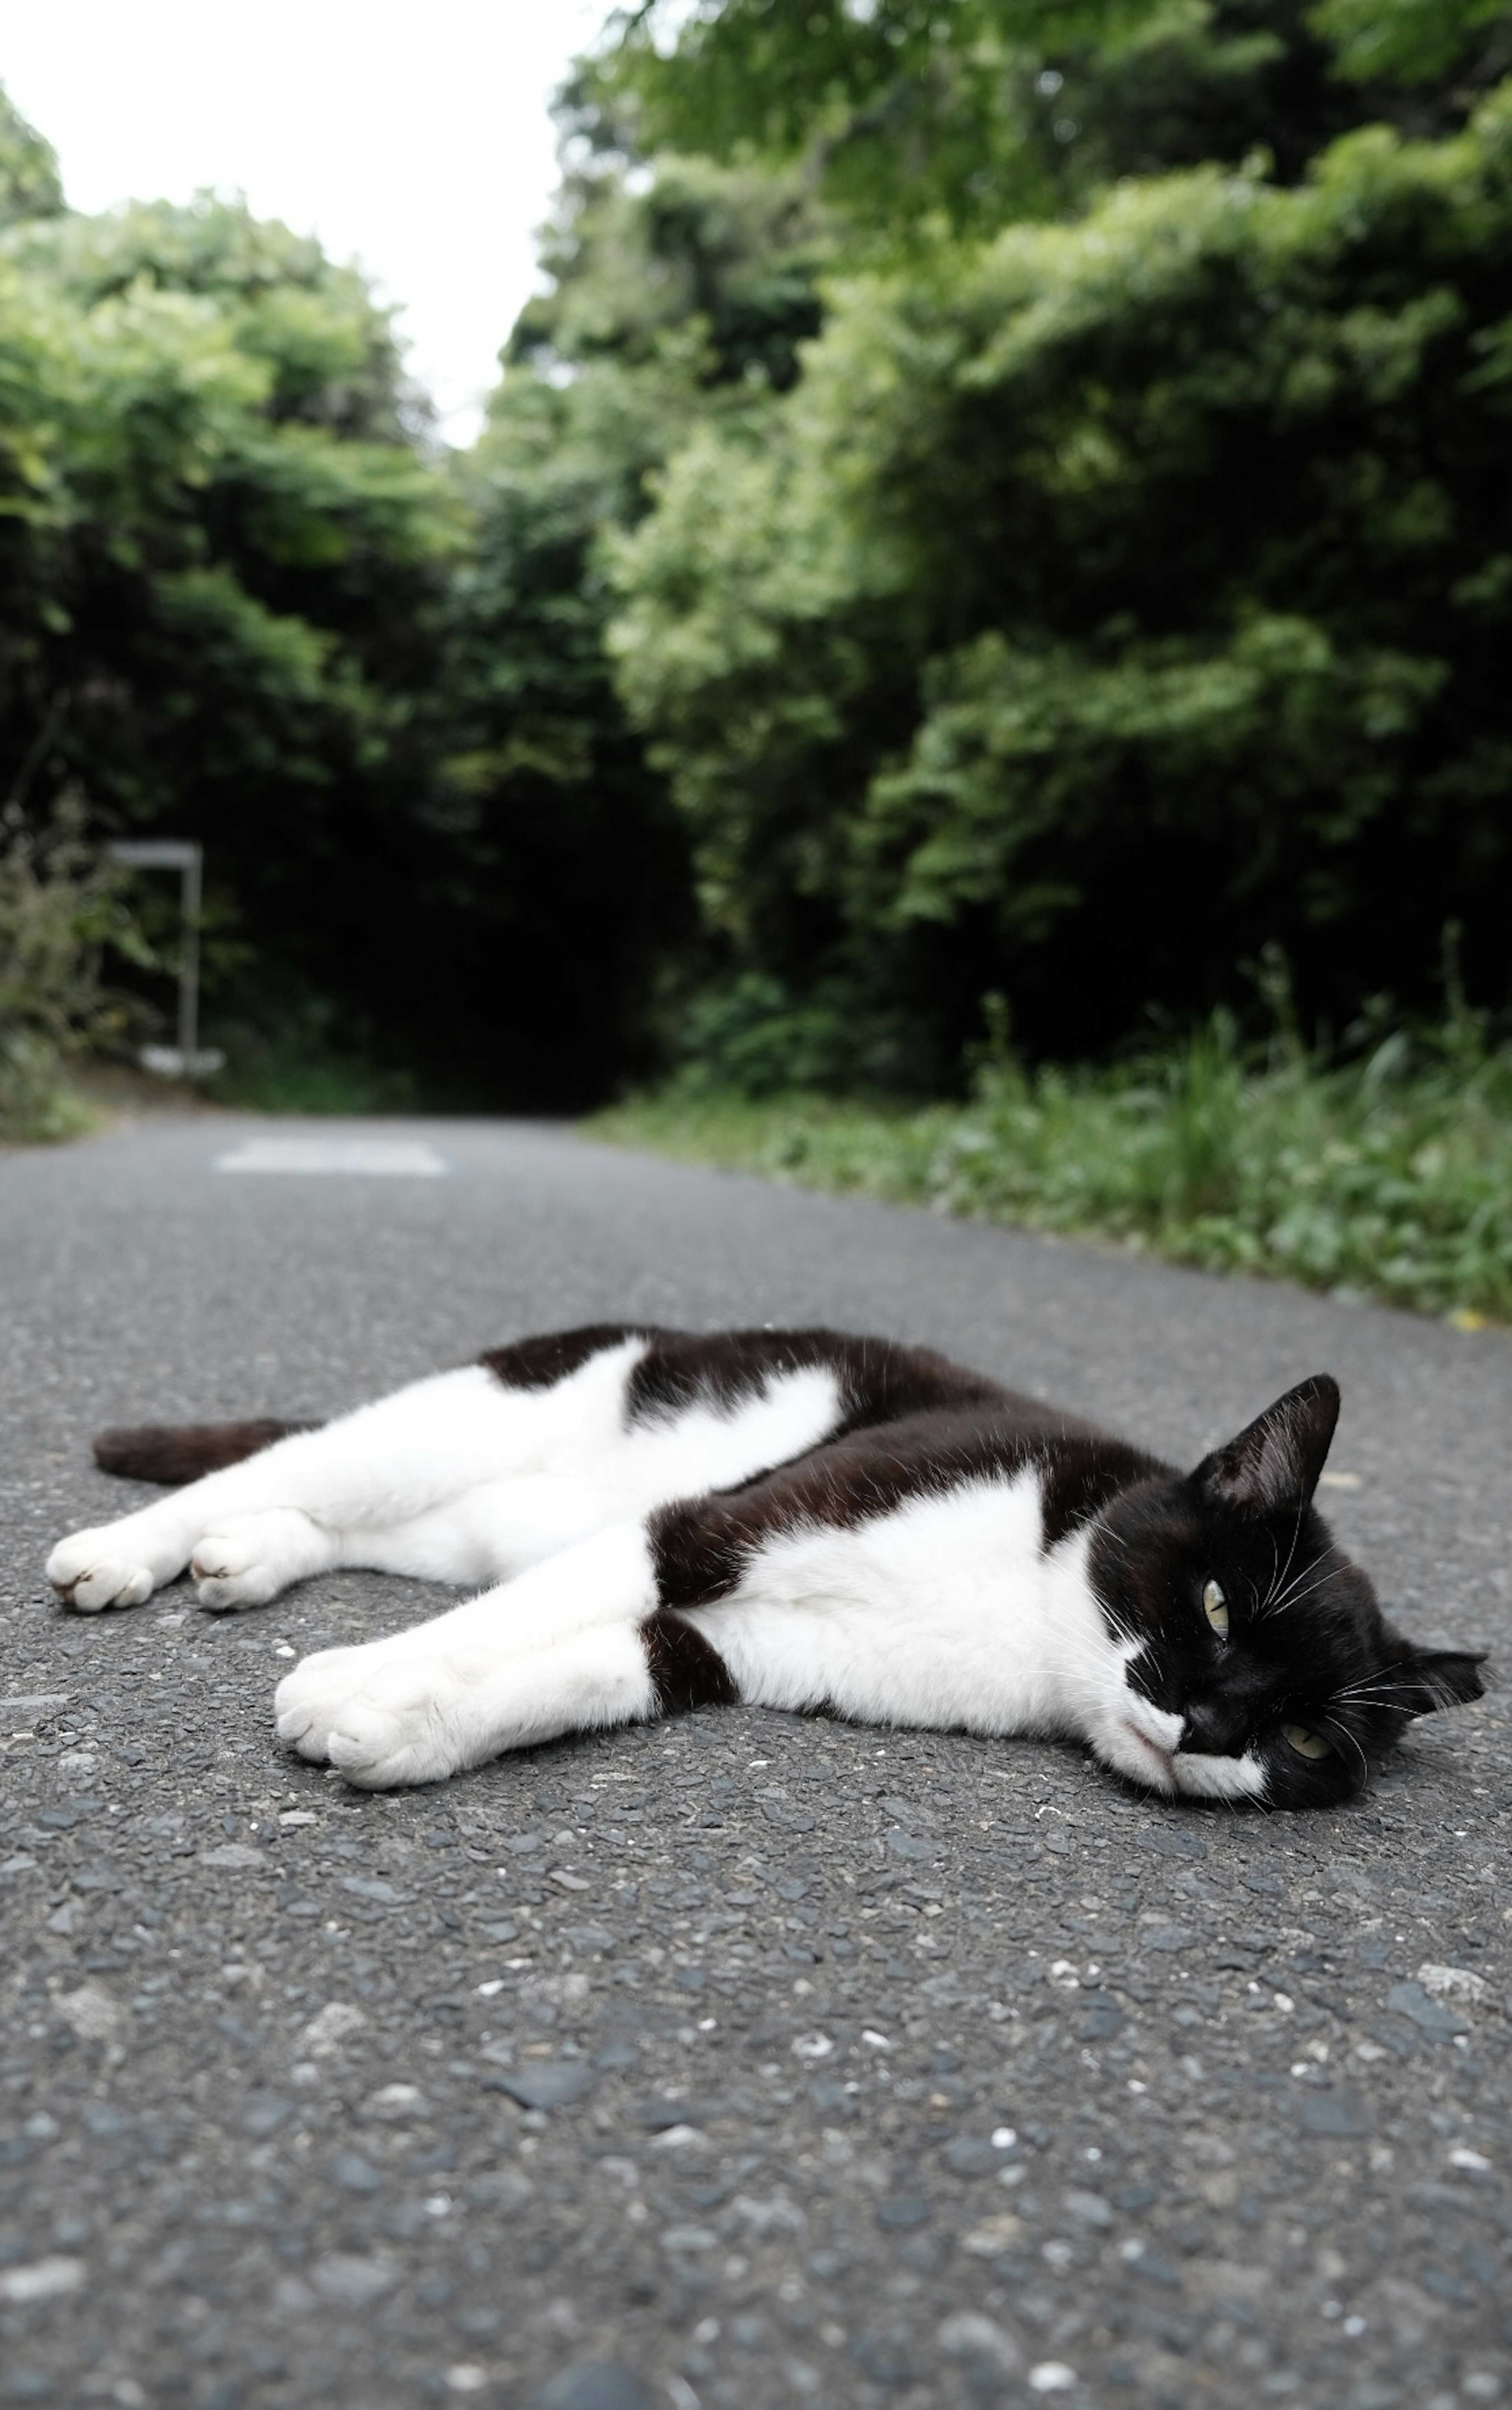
pixel 747 2059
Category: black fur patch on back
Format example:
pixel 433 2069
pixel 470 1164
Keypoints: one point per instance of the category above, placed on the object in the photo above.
pixel 880 1381
pixel 174 1453
pixel 539 1363
pixel 686 1670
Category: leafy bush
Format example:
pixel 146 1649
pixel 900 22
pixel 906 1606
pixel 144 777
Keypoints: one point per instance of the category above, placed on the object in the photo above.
pixel 60 908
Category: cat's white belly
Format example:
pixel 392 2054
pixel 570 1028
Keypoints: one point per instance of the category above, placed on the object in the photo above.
pixel 944 1611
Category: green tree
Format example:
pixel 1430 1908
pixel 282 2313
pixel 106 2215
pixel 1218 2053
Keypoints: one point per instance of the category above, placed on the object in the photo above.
pixel 677 304
pixel 223 546
pixel 29 184
pixel 1116 596
pixel 923 120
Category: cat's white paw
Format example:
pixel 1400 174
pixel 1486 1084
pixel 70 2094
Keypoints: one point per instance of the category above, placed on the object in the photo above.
pixel 399 1727
pixel 89 1574
pixel 246 1560
pixel 307 1701
pixel 381 1719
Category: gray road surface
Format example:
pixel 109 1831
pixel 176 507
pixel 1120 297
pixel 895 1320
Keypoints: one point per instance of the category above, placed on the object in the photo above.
pixel 867 2068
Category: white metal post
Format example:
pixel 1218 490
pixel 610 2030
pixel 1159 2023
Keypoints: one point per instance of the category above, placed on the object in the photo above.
pixel 188 1060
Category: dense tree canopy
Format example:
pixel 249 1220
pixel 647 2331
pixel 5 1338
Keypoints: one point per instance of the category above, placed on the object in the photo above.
pixel 1117 592
pixel 991 495
pixel 221 558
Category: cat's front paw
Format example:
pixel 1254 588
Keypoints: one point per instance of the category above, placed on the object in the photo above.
pixel 89 1574
pixel 379 1724
pixel 307 1701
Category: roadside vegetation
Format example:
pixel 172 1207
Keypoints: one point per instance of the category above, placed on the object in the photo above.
pixel 1385 1175
pixel 59 911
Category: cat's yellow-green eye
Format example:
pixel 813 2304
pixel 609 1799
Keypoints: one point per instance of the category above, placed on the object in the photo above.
pixel 1306 1742
pixel 1215 1607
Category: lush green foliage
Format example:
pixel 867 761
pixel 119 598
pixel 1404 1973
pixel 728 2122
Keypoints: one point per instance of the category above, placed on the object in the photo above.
pixel 1389 1177
pixel 925 120
pixel 222 555
pixel 1110 598
pixel 61 911
pixel 678 308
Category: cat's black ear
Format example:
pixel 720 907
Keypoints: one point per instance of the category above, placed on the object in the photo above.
pixel 1274 1464
pixel 1425 1678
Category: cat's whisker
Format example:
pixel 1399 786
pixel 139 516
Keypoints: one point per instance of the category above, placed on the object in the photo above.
pixel 1295 1596
pixel 1295 1535
pixel 1280 1598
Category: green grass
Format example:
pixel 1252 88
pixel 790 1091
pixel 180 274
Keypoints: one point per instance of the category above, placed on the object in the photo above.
pixel 1389 1176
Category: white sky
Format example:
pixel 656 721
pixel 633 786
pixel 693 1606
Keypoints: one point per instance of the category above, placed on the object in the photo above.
pixel 417 141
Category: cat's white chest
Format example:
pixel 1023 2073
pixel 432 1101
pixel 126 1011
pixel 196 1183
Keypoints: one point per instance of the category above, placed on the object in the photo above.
pixel 944 1609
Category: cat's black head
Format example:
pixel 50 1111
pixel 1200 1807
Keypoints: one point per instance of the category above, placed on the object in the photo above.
pixel 1259 1663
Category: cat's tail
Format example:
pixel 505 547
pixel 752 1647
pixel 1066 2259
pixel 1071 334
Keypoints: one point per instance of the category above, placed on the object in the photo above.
pixel 173 1453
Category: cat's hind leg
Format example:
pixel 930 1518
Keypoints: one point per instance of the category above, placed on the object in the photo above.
pixel 384 1464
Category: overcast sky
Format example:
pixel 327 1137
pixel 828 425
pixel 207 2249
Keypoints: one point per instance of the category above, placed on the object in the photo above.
pixel 417 141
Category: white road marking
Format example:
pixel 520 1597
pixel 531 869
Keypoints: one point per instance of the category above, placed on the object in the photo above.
pixel 384 1158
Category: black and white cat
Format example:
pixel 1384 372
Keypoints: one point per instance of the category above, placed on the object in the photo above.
pixel 798 1520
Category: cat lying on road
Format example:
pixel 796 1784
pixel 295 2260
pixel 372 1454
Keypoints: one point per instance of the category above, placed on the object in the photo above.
pixel 798 1520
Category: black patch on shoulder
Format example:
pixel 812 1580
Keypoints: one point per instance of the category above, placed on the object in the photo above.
pixel 686 1671
pixel 541 1363
pixel 1081 1474
pixel 174 1453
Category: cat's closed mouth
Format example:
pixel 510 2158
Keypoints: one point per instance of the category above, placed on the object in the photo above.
pixel 1161 1758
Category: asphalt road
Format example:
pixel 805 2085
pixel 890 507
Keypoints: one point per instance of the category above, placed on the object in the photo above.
pixel 868 2069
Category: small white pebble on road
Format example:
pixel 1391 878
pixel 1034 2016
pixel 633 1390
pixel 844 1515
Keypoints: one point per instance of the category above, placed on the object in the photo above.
pixel 43 2280
pixel 395 2100
pixel 1452 1983
pixel 1052 2377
